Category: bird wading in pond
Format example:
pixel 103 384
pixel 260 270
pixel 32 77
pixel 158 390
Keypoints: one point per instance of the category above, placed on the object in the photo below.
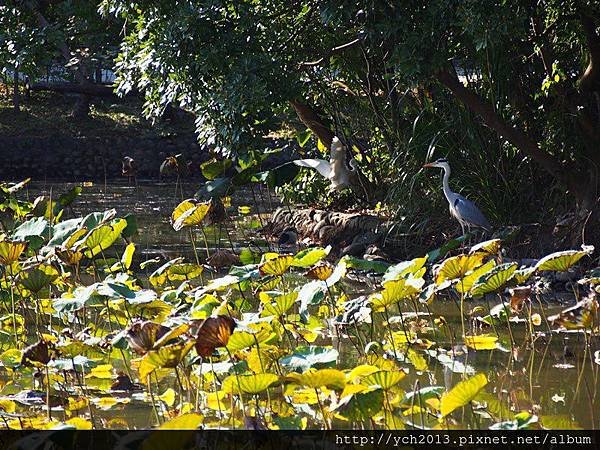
pixel 336 170
pixel 463 209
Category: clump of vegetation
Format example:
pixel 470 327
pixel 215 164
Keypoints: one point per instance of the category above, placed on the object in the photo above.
pixel 278 341
pixel 508 93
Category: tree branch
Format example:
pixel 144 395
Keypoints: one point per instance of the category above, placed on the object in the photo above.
pixel 311 119
pixel 590 80
pixel 515 136
pixel 337 49
pixel 62 46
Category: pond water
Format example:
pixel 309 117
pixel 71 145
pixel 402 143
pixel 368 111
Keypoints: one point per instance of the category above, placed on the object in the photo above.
pixel 551 375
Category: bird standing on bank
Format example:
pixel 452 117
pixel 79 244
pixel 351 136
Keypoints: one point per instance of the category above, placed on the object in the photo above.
pixel 129 169
pixel 463 209
pixel 335 170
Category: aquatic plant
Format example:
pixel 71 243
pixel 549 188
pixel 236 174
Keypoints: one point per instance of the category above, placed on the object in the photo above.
pixel 278 341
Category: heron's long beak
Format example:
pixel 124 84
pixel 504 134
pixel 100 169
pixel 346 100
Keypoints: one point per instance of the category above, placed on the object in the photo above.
pixel 428 165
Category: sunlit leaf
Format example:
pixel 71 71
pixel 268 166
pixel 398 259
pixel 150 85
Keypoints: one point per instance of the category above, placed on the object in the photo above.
pixel 395 291
pixel 102 237
pixel 320 272
pixel 189 213
pixel 417 360
pixel 461 394
pixel 10 251
pixel 310 256
pixel 168 397
pixel 276 266
pixel 189 421
pixel 278 305
pixel 404 268
pixel 79 423
pixel 481 342
pixel 491 247
pixel 456 267
pixel 563 261
pixel 360 405
pixel 249 384
pixel 243 339
pixel 159 276
pixel 465 284
pixel 127 257
pixel 494 279
pixel 385 379
pixel 184 271
pixel 522 275
pixel 168 356
pixel 7 406
pixel 102 371
pixel 359 372
pixel 331 378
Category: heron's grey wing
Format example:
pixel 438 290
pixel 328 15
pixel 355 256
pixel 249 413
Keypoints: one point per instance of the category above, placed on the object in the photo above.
pixel 322 166
pixel 470 213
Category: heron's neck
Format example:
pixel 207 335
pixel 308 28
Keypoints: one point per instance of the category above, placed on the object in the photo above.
pixel 445 184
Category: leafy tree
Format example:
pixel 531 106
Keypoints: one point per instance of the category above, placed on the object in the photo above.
pixel 22 46
pixel 66 33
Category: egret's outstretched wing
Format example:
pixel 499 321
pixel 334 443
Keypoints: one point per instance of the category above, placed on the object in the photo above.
pixel 322 166
pixel 468 212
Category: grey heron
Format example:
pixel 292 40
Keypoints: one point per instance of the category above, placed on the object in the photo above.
pixel 463 209
pixel 335 170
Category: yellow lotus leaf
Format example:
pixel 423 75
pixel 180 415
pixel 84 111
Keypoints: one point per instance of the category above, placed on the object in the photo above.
pixel 249 384
pixel 189 213
pixel 80 423
pixel 276 266
pixel 481 342
pixel 305 395
pixel 563 261
pixel 101 371
pixel 463 393
pixel 75 404
pixel 456 267
pixel 168 397
pixel 491 247
pixel 361 371
pixel 165 357
pixel 417 360
pixel 189 421
pixel 10 251
pixel 466 283
pixel 8 406
pixel 385 379
pixel 217 401
pixel 494 279
pixel 102 237
pixel 331 378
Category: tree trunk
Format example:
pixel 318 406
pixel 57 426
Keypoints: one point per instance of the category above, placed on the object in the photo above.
pixel 16 94
pixel 575 181
pixel 360 184
pixel 82 107
pixel 311 119
pixel 98 75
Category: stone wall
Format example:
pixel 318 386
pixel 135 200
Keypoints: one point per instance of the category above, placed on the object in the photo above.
pixel 63 157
